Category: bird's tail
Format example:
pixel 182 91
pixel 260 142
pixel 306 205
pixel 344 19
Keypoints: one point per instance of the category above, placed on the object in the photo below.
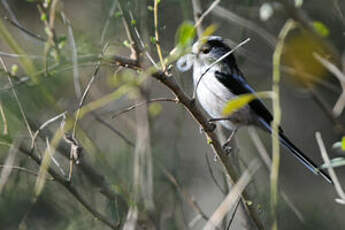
pixel 303 158
pixel 298 153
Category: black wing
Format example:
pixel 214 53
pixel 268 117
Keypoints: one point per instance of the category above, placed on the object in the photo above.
pixel 237 85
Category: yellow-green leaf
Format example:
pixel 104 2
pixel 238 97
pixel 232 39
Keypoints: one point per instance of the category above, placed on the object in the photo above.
pixel 185 34
pixel 321 28
pixel 242 100
pixel 208 32
pixel 343 143
pixel 155 109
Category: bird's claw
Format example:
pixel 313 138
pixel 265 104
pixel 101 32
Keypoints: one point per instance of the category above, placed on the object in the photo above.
pixel 227 148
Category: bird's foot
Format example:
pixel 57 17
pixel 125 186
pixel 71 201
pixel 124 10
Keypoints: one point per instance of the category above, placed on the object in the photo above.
pixel 211 126
pixel 227 148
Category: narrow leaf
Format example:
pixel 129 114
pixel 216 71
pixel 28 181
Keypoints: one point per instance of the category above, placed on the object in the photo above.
pixel 242 100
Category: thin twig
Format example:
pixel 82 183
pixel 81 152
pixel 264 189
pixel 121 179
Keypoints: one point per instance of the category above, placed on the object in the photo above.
pixel 4 120
pixel 132 107
pixel 23 29
pixel 22 169
pixel 209 9
pixel 158 46
pixel 230 201
pixel 191 201
pixel 71 190
pixel 21 109
pixel 6 172
pixel 213 176
pixel 340 104
pixel 107 21
pixel 232 17
pixel 74 55
pixel 330 170
pixel 268 163
pixel 46 123
pixel 233 215
pixel 141 42
pixel 197 12
pixel 130 35
pixel 106 124
pixel 276 121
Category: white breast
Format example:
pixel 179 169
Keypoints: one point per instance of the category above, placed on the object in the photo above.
pixel 213 95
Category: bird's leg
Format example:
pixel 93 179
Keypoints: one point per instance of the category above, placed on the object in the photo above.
pixel 226 146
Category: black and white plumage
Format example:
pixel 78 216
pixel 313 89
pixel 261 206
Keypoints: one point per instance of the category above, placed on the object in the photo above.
pixel 223 82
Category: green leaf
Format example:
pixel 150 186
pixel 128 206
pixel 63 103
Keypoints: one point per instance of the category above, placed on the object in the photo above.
pixel 343 143
pixel 150 8
pixel 242 100
pixel 210 30
pixel 44 17
pixel 336 162
pixel 134 22
pixel 155 109
pixel 153 40
pixel 185 34
pixel 321 28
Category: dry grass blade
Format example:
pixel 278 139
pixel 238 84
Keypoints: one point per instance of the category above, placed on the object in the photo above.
pixel 235 194
pixel 330 170
pixel 74 55
pixel 4 120
pixel 6 171
pixel 268 163
pixel 340 104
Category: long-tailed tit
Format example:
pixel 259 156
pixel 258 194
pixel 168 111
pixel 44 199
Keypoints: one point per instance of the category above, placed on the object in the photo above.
pixel 216 84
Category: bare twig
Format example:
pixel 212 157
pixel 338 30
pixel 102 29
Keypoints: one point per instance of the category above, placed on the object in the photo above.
pixel 130 108
pixel 17 98
pixel 213 176
pixel 330 170
pixel 130 34
pixel 158 46
pixel 46 123
pixel 22 169
pixel 235 194
pixel 233 214
pixel 268 163
pixel 6 171
pixel 197 13
pixel 65 183
pixel 290 24
pixel 107 21
pixel 340 104
pixel 209 9
pixel 23 29
pixel 191 201
pixel 4 120
pixel 232 17
pixel 74 55
pixel 106 124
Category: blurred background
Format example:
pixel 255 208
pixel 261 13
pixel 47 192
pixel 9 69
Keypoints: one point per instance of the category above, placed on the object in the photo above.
pixel 153 161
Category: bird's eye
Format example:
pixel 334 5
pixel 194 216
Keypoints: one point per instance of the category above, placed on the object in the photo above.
pixel 205 49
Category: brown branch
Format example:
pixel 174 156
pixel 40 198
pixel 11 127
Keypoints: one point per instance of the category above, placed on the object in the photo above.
pixel 65 183
pixel 195 112
pixel 132 107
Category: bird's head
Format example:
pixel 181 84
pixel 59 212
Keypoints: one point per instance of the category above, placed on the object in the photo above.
pixel 211 49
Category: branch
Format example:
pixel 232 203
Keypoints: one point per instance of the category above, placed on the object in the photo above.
pixel 65 183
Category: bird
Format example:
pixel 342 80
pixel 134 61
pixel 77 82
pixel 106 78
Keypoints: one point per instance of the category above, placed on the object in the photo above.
pixel 217 80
